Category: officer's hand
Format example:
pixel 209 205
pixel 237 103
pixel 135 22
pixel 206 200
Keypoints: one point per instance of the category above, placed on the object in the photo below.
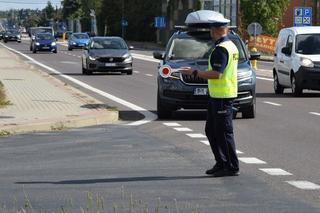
pixel 185 70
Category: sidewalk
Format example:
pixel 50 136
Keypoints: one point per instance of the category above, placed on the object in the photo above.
pixel 40 102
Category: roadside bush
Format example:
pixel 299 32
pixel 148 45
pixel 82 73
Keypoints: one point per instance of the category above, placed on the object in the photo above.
pixel 3 100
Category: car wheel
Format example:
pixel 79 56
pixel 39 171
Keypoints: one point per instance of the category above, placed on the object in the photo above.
pixel 55 51
pixel 19 41
pixel 34 51
pixel 129 72
pixel 278 89
pixel 86 72
pixel 5 41
pixel 69 48
pixel 249 112
pixel 162 111
pixel 296 89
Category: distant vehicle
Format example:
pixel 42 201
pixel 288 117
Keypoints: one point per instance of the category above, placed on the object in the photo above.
pixel 78 40
pixel 12 35
pixel 107 54
pixel 297 60
pixel 44 42
pixel 35 30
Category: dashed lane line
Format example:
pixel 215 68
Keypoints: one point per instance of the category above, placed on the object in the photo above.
pixel 136 72
pixel 302 184
pixel 272 103
pixel 196 135
pixel 275 171
pixel 315 113
pixel 266 79
pixel 251 160
pixel 182 129
pixel 171 124
pixel 149 75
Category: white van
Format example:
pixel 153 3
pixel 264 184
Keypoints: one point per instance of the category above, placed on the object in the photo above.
pixel 297 60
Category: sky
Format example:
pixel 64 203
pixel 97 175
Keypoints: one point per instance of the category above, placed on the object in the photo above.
pixel 26 4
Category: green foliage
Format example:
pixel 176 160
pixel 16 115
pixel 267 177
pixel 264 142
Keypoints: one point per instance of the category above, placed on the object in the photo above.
pixel 266 12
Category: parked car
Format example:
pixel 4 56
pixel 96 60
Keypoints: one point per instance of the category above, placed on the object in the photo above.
pixel 192 46
pixel 78 40
pixel 12 35
pixel 297 60
pixel 44 42
pixel 33 31
pixel 107 54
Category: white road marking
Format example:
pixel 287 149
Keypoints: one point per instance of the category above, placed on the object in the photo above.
pixel 275 171
pixel 171 124
pixel 251 160
pixel 239 152
pixel 205 142
pixel 136 72
pixel 272 103
pixel 196 135
pixel 69 62
pixel 149 116
pixel 149 75
pixel 315 113
pixel 266 79
pixel 79 56
pixel 301 184
pixel 183 129
pixel 144 57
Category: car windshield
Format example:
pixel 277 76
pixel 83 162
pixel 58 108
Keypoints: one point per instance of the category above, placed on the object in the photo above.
pixel 308 44
pixel 80 36
pixel 12 32
pixel 42 30
pixel 108 44
pixel 194 48
pixel 44 37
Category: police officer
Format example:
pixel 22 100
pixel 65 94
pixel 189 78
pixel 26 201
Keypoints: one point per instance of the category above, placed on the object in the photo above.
pixel 222 86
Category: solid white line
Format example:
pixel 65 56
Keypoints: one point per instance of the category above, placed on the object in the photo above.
pixel 304 185
pixel 272 103
pixel 149 75
pixel 266 79
pixel 252 160
pixel 315 113
pixel 144 57
pixel 275 171
pixel 171 124
pixel 183 129
pixel 149 116
pixel 196 135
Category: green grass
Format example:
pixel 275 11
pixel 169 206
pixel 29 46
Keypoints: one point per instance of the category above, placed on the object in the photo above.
pixel 3 99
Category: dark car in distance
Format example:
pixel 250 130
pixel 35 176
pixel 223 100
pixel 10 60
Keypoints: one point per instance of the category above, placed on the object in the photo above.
pixel 12 35
pixel 107 54
pixel 192 48
pixel 44 42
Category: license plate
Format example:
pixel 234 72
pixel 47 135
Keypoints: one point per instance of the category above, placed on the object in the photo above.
pixel 201 91
pixel 46 48
pixel 110 64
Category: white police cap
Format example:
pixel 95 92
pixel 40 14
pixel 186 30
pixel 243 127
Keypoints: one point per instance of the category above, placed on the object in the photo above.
pixel 209 18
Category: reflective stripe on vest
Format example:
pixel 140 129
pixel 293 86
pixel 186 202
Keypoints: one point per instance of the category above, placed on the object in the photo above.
pixel 227 85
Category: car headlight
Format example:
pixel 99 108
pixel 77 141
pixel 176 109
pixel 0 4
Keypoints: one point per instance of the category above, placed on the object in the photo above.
pixel 37 43
pixel 92 58
pixel 6 36
pixel 305 62
pixel 128 59
pixel 53 44
pixel 243 76
pixel 18 36
pixel 74 43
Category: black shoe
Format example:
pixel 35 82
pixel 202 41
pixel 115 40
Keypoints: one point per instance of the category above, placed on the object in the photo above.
pixel 226 172
pixel 214 169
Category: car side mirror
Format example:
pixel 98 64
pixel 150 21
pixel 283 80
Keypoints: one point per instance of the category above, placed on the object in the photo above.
pixel 286 51
pixel 255 55
pixel 158 55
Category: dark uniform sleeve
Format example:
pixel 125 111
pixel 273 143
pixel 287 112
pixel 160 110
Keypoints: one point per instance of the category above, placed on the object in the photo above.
pixel 219 59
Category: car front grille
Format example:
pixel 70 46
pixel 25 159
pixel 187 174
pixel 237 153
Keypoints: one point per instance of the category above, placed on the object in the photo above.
pixel 190 79
pixel 110 59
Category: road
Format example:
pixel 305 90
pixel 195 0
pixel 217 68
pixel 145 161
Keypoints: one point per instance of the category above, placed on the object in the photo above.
pixel 278 150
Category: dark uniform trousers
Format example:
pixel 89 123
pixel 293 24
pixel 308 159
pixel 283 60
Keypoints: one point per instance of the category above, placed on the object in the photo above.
pixel 219 131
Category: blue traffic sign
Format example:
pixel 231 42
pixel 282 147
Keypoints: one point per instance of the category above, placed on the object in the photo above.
pixel 159 22
pixel 302 16
pixel 124 23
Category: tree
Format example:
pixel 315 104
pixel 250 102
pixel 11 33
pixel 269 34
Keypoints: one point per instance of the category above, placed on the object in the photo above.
pixel 49 11
pixel 268 13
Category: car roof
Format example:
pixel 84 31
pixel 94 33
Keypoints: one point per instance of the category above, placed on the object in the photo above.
pixel 107 37
pixel 305 30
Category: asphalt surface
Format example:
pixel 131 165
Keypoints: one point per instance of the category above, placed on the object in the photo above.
pixel 155 160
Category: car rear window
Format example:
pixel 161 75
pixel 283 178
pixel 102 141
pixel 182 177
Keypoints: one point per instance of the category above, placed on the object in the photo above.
pixel 189 48
pixel 308 44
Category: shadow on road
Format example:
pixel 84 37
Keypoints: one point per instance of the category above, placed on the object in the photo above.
pixel 117 180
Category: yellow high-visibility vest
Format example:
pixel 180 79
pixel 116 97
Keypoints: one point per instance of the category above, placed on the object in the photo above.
pixel 227 85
